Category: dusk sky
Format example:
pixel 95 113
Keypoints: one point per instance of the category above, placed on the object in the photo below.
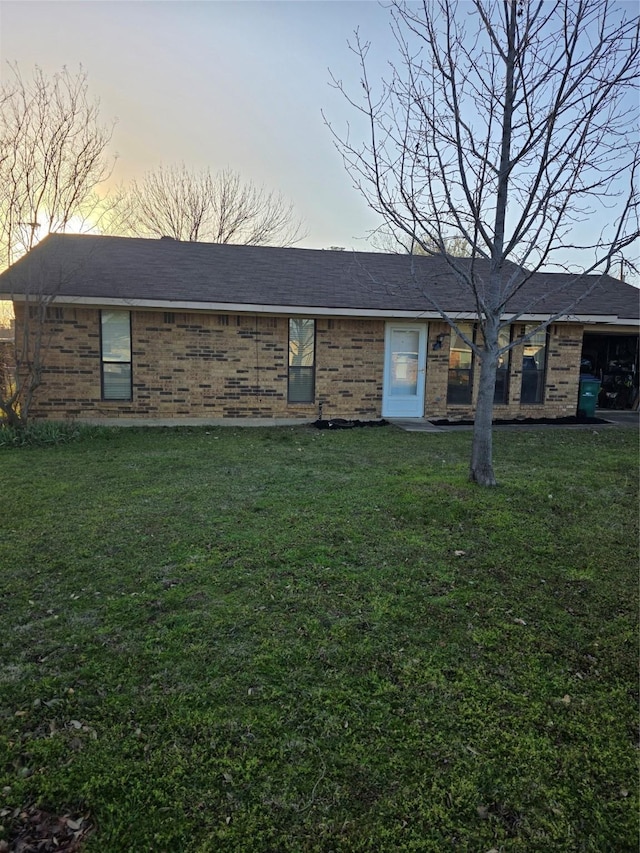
pixel 239 85
pixel 218 84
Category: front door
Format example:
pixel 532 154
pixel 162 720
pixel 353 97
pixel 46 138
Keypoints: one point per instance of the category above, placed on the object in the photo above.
pixel 404 370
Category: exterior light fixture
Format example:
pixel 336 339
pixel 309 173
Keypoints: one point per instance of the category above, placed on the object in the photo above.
pixel 437 344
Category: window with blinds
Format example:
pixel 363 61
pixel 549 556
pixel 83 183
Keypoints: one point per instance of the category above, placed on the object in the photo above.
pixel 302 346
pixel 115 348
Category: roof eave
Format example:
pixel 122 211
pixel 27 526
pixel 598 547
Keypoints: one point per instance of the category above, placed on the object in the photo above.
pixel 315 310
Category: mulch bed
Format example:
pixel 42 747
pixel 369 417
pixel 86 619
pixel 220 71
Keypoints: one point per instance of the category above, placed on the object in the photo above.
pixel 342 423
pixel 569 420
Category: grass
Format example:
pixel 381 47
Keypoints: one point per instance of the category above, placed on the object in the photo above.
pixel 296 640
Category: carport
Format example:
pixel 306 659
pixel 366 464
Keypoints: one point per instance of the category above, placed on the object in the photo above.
pixel 613 358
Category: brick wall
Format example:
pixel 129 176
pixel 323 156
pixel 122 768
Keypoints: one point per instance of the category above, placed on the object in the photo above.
pixel 201 365
pixel 6 366
pixel 563 374
pixel 208 366
pixel 561 381
pixel 350 359
pixel 437 373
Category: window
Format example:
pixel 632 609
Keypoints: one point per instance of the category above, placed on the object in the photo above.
pixel 115 340
pixel 501 394
pixel 460 385
pixel 302 345
pixel 534 360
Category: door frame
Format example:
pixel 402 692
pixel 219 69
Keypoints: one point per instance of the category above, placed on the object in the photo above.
pixel 399 405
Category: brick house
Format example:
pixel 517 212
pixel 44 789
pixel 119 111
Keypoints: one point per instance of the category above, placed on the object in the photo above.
pixel 160 329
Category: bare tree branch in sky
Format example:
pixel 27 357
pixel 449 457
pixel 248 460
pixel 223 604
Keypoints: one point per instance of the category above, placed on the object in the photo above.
pixel 53 156
pixel 400 243
pixel 511 125
pixel 178 202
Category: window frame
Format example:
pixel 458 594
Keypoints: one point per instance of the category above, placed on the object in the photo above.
pixel 310 368
pixel 541 373
pixel 470 370
pixel 506 369
pixel 104 361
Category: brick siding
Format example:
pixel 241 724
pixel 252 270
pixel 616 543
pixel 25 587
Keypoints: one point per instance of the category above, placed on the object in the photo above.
pixel 561 381
pixel 201 365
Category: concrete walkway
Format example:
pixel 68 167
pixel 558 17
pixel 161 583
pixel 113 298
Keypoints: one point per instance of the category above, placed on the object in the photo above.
pixel 614 418
pixel 418 425
pixel 621 418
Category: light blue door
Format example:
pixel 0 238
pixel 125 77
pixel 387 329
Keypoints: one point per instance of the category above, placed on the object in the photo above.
pixel 404 370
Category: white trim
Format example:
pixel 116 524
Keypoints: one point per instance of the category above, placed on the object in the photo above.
pixel 315 311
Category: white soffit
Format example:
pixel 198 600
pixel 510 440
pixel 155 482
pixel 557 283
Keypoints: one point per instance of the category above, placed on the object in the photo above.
pixel 312 311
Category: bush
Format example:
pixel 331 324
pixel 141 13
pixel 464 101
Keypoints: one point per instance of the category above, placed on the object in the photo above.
pixel 42 433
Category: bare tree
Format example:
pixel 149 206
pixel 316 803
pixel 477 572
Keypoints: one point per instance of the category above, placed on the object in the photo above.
pixel 177 202
pixel 510 125
pixel 53 156
pixel 401 243
pixel 21 373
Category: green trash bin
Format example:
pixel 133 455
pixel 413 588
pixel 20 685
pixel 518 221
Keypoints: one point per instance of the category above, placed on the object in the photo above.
pixel 588 396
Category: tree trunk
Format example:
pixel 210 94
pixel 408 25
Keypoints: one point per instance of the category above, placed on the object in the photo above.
pixel 481 470
pixel 12 417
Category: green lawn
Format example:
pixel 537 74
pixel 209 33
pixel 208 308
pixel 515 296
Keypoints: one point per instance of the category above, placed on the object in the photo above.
pixel 279 640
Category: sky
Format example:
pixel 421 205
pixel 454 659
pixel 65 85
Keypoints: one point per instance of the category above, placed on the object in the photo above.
pixel 240 85
pixel 217 84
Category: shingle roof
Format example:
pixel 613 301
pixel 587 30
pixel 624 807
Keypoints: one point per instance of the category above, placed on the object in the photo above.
pixel 162 271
